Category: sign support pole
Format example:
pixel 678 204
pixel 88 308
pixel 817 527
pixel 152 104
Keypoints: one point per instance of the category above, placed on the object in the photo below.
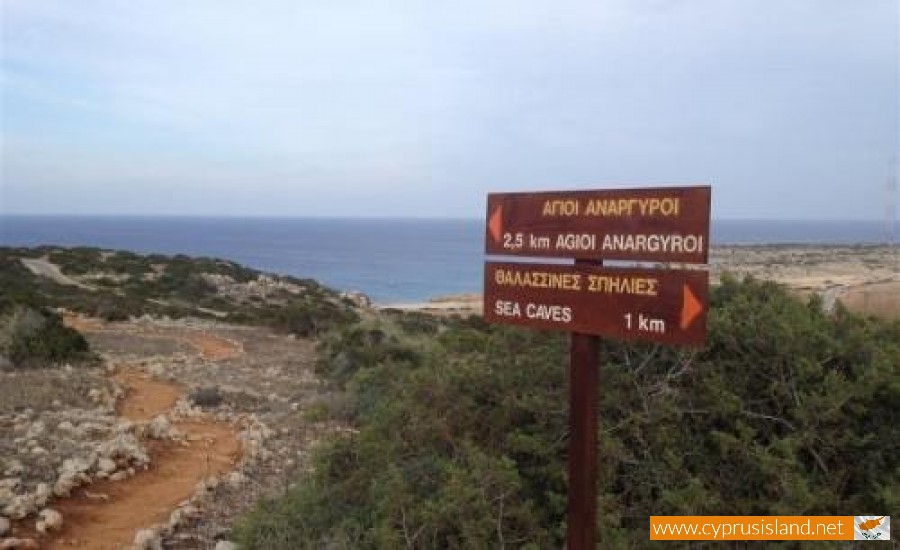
pixel 583 382
pixel 667 306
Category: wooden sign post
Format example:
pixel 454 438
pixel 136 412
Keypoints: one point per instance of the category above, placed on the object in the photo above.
pixel 589 300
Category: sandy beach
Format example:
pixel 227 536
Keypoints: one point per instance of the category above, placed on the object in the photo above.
pixel 864 278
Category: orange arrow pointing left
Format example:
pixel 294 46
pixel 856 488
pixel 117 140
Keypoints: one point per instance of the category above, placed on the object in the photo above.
pixel 495 223
pixel 690 307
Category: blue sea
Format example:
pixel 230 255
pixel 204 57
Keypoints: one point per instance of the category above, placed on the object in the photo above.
pixel 391 260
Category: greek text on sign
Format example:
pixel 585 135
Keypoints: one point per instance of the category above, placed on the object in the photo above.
pixel 669 224
pixel 665 306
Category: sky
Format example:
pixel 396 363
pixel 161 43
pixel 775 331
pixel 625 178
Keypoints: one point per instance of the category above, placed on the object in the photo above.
pixel 789 109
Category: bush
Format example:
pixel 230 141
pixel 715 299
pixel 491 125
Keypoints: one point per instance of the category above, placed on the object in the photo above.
pixel 207 397
pixel 29 338
pixel 785 411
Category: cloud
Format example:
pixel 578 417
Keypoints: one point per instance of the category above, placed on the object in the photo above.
pixel 426 106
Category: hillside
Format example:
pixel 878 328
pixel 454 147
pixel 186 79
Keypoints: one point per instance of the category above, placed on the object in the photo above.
pixel 316 421
pixel 462 429
pixel 118 370
pixel 116 285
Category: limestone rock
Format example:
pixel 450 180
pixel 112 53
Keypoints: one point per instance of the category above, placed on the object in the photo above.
pixel 124 446
pixel 18 544
pixel 42 494
pixel 106 465
pixel 160 428
pixel 19 506
pixel 36 430
pixel 236 479
pixel 14 467
pixel 147 539
pixel 119 476
pixel 49 520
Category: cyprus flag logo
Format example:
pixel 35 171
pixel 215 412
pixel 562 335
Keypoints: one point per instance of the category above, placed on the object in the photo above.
pixel 871 528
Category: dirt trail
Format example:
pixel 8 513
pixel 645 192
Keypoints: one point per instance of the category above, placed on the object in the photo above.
pixel 43 267
pixel 106 515
pixel 145 397
pixel 209 346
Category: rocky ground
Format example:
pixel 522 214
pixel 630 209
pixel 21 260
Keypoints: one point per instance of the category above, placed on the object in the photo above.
pixel 185 424
pixel 77 443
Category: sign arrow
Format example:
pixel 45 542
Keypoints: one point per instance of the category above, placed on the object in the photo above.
pixel 690 307
pixel 495 223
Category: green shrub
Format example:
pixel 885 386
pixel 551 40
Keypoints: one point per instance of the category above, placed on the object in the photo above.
pixel 207 397
pixel 786 410
pixel 29 339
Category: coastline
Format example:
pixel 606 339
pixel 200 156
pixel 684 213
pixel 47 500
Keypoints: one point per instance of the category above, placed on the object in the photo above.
pixel 865 278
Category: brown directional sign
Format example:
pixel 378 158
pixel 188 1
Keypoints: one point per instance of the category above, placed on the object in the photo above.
pixel 665 224
pixel 658 305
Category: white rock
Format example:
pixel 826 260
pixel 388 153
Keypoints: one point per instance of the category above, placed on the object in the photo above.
pixel 236 479
pixel 124 426
pixel 124 446
pixel 147 539
pixel 65 425
pixel 64 485
pixel 175 519
pixel 14 467
pixel 225 545
pixel 159 427
pixel 18 544
pixel 157 370
pixel 36 429
pixel 42 494
pixel 189 511
pixel 49 520
pixel 4 526
pixel 118 476
pixel 76 465
pixel 19 506
pixel 10 483
pixel 106 465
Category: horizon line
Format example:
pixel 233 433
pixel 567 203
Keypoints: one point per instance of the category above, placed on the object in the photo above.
pixel 373 217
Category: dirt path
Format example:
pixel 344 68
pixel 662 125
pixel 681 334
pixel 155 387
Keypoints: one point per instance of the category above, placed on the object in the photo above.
pixel 106 515
pixel 145 397
pixel 42 267
pixel 209 346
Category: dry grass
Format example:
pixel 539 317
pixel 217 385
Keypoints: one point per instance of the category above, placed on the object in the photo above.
pixel 878 299
pixel 42 389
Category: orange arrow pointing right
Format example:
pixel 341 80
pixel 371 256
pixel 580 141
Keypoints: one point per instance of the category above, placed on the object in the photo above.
pixel 495 223
pixel 690 307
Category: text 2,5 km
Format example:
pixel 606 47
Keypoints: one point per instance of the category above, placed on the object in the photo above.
pixel 643 323
pixel 513 241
